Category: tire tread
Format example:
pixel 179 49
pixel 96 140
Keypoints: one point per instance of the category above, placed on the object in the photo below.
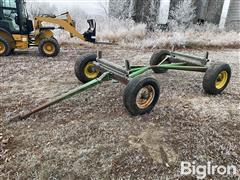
pixel 8 47
pixel 211 75
pixel 130 93
pixel 52 40
pixel 81 63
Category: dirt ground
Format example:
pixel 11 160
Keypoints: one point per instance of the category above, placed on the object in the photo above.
pixel 91 136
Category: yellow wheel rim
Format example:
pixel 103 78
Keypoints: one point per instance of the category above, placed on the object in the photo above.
pixel 145 97
pixel 49 48
pixel 221 80
pixel 90 71
pixel 2 48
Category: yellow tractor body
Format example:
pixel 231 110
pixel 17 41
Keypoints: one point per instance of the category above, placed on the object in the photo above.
pixel 18 32
pixel 21 41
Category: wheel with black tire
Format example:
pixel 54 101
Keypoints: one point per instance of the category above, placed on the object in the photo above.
pixel 49 47
pixel 12 51
pixel 141 95
pixel 5 48
pixel 216 78
pixel 85 70
pixel 54 38
pixel 157 58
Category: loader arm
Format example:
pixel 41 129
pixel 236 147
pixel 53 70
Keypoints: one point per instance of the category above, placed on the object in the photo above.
pixel 66 24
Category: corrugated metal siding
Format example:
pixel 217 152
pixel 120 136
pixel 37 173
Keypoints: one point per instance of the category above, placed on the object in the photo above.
pixel 148 10
pixel 234 11
pixel 214 11
pixel 233 17
pixel 209 10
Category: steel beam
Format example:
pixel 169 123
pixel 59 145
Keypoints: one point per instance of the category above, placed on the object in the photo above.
pixel 67 95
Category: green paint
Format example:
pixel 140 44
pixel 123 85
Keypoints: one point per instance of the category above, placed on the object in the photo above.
pixel 172 64
pixel 184 68
pixel 135 69
pixel 88 85
pixel 139 72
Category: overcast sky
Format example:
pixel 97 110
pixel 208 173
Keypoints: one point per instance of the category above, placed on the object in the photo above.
pixel 89 6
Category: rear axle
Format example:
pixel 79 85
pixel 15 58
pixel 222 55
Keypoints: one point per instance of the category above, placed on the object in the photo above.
pixel 141 93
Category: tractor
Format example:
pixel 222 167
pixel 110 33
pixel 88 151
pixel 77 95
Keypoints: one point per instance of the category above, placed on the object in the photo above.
pixel 17 31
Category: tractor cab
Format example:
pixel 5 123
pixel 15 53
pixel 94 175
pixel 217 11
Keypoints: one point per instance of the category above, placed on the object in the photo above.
pixel 14 18
pixel 17 32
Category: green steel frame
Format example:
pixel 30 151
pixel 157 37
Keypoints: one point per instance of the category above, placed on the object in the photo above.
pixel 181 61
pixel 112 71
pixel 136 70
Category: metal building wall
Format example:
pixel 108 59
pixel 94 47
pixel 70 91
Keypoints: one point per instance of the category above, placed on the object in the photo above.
pixel 208 10
pixel 233 16
pixel 214 11
pixel 148 10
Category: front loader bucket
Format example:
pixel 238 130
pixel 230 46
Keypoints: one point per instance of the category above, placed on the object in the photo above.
pixel 90 34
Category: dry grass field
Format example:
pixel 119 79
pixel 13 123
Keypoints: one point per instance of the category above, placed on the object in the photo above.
pixel 91 136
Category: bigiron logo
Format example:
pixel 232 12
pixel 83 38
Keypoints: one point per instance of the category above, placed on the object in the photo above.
pixel 202 171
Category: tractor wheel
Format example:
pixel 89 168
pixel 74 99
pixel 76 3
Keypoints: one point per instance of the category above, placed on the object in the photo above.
pixel 216 78
pixel 157 58
pixel 5 48
pixel 12 51
pixel 141 95
pixel 85 70
pixel 49 47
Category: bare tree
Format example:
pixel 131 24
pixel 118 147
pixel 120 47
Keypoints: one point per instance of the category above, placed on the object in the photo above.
pixel 36 8
pixel 119 8
pixel 79 16
pixel 184 12
pixel 104 6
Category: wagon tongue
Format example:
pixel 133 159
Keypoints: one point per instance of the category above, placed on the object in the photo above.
pixel 24 115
